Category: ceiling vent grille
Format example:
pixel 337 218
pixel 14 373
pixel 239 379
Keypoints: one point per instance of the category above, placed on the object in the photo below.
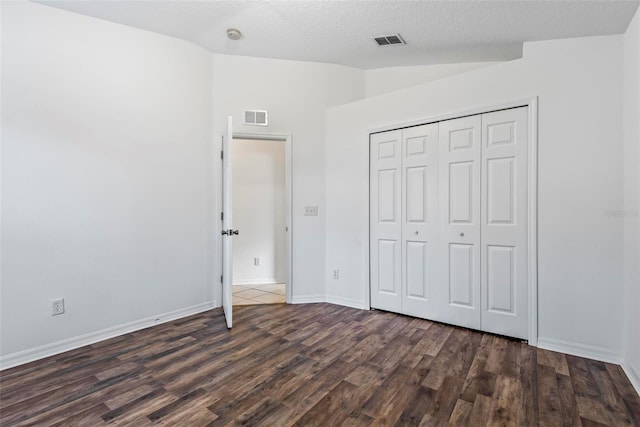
pixel 390 40
pixel 255 117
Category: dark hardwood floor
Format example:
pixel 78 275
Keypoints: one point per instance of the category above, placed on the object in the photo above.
pixel 315 365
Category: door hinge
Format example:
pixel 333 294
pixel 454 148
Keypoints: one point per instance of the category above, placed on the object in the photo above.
pixel 222 155
pixel 221 278
pixel 221 216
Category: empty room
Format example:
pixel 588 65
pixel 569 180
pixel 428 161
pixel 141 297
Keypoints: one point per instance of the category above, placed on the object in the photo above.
pixel 319 213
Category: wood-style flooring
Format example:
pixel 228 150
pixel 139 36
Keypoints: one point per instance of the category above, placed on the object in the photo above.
pixel 315 365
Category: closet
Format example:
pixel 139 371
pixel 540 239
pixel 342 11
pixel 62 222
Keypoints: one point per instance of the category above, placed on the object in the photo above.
pixel 448 221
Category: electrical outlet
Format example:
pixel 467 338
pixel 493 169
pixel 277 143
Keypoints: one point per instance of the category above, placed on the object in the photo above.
pixel 336 274
pixel 57 306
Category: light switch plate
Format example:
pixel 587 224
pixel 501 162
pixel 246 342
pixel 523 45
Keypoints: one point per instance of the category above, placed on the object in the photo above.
pixel 310 211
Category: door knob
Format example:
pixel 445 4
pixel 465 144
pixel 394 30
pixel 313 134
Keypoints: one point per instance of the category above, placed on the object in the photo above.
pixel 234 232
pixel 461 234
pixel 230 232
pixel 416 232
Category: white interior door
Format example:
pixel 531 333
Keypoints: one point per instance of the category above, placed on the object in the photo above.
pixel 459 170
pixel 504 222
pixel 385 220
pixel 227 225
pixel 420 220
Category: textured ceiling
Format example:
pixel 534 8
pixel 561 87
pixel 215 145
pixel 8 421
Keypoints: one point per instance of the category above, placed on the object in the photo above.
pixel 340 32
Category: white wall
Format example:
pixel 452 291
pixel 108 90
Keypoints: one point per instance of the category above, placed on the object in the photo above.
pixel 296 94
pixel 383 80
pixel 631 213
pixel 106 193
pixel 579 85
pixel 110 172
pixel 259 211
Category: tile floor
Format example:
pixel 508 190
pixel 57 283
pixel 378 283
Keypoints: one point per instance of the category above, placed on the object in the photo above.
pixel 258 294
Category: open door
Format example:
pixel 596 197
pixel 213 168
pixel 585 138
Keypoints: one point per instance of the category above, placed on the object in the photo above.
pixel 227 225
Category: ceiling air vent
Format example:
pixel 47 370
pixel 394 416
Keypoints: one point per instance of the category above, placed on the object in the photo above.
pixel 390 40
pixel 255 117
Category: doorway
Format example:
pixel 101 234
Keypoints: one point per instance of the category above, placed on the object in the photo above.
pixel 261 188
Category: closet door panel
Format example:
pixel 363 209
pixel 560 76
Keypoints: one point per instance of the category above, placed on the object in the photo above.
pixel 416 268
pixel 461 197
pixel 387 260
pixel 504 218
pixel 500 191
pixel 461 280
pixel 500 286
pixel 416 192
pixel 419 220
pixel 385 249
pixel 459 221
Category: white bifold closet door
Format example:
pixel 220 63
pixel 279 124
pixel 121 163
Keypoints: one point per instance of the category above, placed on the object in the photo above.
pixel 404 220
pixel 504 218
pixel 460 221
pixel 449 221
pixel 385 220
pixel 419 220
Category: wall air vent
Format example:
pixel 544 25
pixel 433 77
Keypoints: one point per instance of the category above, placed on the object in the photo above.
pixel 255 117
pixel 390 40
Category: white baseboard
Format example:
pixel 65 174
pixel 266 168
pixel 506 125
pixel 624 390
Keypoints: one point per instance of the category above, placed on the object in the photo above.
pixel 346 302
pixel 633 373
pixel 269 281
pixel 307 299
pixel 582 350
pixel 30 355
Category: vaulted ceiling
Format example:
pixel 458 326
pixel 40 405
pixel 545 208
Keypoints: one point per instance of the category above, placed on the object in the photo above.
pixel 341 32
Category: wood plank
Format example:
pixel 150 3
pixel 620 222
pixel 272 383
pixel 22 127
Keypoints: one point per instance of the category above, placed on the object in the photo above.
pixel 570 412
pixel 89 417
pixel 592 409
pixel 502 411
pixel 480 412
pixel 446 398
pixel 583 383
pixel 496 355
pixel 527 402
pixel 419 405
pixel 479 381
pixel 554 360
pixel 549 405
pixel 461 413
pixel 330 409
pixel 618 412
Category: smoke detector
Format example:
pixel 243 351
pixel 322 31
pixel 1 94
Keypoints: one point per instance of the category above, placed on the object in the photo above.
pixel 389 40
pixel 234 34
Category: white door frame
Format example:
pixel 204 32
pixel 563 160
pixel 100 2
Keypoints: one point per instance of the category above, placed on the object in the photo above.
pixel 532 194
pixel 286 138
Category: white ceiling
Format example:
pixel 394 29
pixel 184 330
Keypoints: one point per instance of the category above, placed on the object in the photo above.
pixel 340 32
